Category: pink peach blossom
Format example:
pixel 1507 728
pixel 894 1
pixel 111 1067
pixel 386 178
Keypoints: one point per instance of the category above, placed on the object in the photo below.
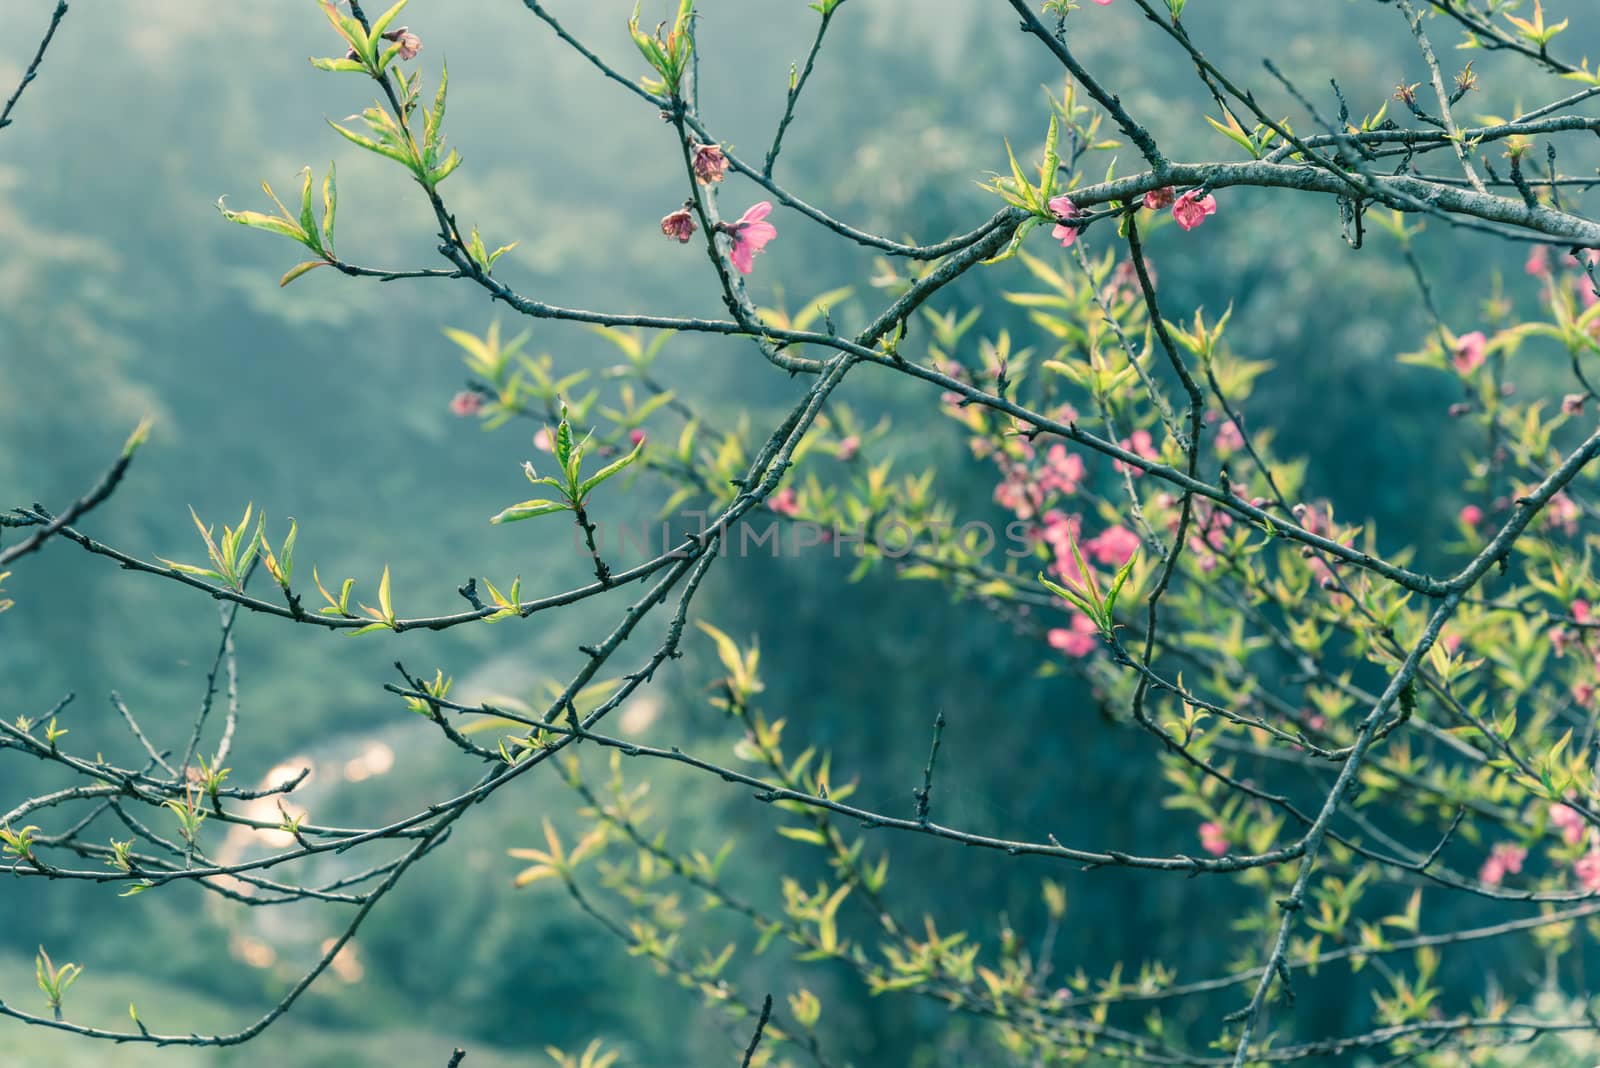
pixel 1113 546
pixel 544 441
pixel 1060 531
pixel 636 437
pixel 1313 518
pixel 466 403
pixel 785 502
pixel 1538 262
pixel 1063 470
pixel 1229 438
pixel 1568 821
pixel 1077 640
pixel 1141 444
pixel 1584 287
pixel 1157 199
pixel 1505 858
pixel 1064 210
pixel 708 163
pixel 410 44
pixel 1470 352
pixel 1213 838
pixel 848 447
pixel 1124 282
pixel 1192 208
pixel 1562 512
pixel 1572 403
pixel 680 225
pixel 1019 492
pixel 750 235
pixel 1587 869
pixel 1471 515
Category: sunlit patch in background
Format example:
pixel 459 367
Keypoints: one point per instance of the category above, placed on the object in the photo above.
pixel 346 964
pixel 272 809
pixel 641 712
pixel 376 759
pixel 252 951
pixel 287 938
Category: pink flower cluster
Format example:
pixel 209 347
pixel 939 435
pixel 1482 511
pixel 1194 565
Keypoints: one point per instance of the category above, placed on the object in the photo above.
pixel 747 236
pixel 785 502
pixel 1078 639
pixel 1569 821
pixel 1111 548
pixel 1032 486
pixel 1208 528
pixel 1561 637
pixel 1573 828
pixel 1507 858
pixel 1539 266
pixel 1230 439
pixel 1142 445
pixel 1504 859
pixel 1562 513
pixel 1024 489
pixel 1190 210
pixel 1587 869
pixel 1124 282
pixel 1469 352
pixel 1214 838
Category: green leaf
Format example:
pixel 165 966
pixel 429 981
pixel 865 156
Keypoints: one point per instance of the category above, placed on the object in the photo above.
pixel 384 603
pixel 190 569
pixel 258 221
pixel 803 834
pixel 445 169
pixel 1026 227
pixel 433 121
pixel 308 221
pixel 1116 583
pixel 137 438
pixel 330 206
pixel 370 145
pixel 299 269
pixel 529 510
pixel 383 20
pixel 1024 187
pixel 607 471
pixel 563 439
pixel 1235 134
pixel 340 64
pixel 1050 169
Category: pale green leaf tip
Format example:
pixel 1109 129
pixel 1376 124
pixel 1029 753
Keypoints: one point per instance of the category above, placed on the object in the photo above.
pixel 138 437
